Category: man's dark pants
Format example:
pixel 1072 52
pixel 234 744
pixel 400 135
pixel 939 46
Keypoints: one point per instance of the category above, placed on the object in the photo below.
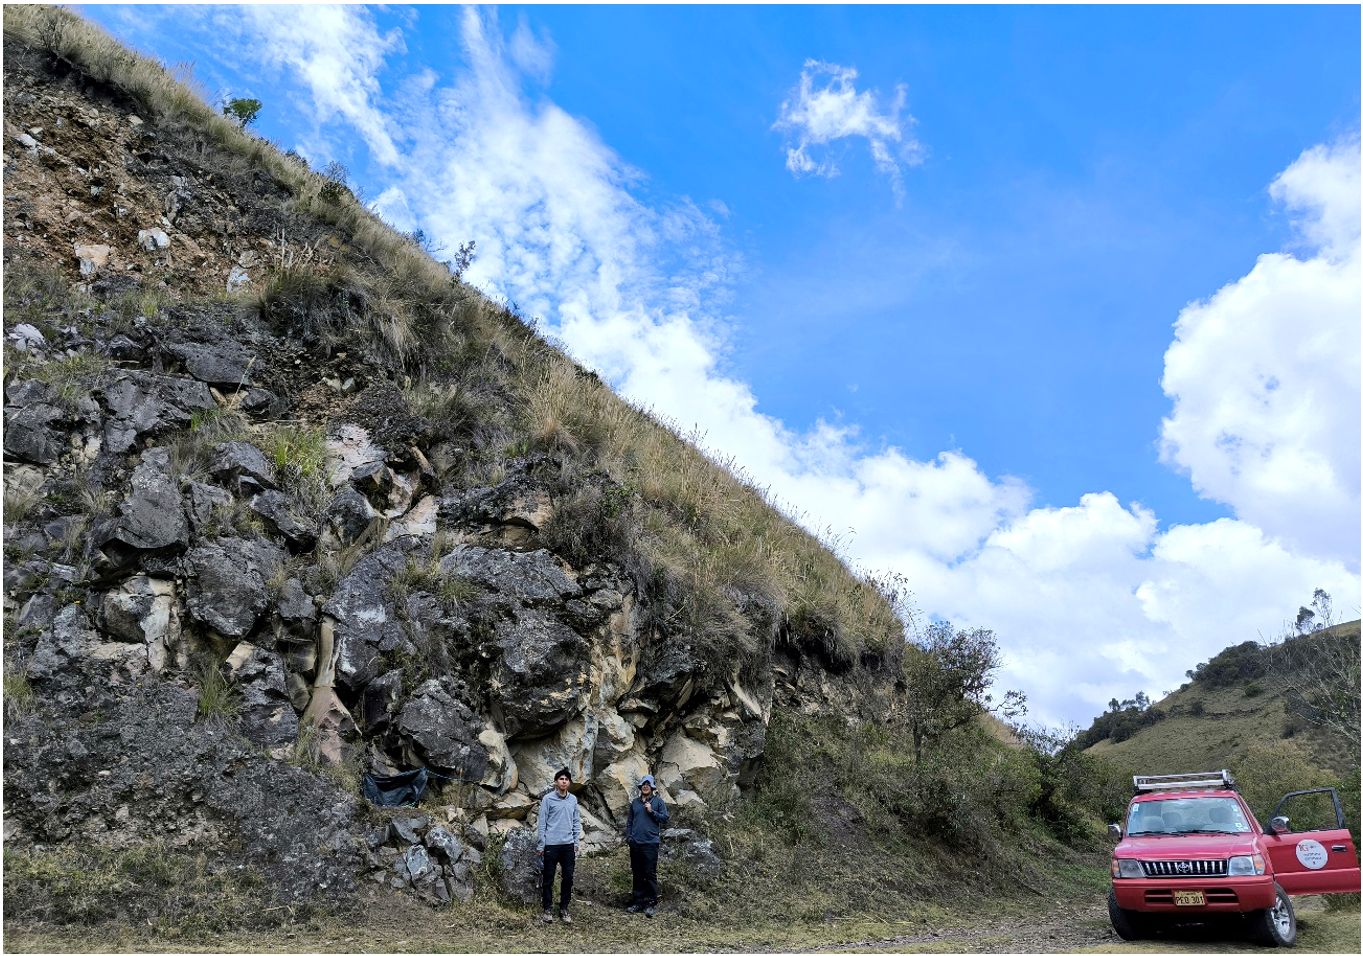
pixel 643 863
pixel 564 855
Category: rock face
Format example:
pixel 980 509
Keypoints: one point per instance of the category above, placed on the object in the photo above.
pixel 240 543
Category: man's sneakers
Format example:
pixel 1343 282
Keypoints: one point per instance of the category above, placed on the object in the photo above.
pixel 651 912
pixel 547 916
pixel 563 915
pixel 634 908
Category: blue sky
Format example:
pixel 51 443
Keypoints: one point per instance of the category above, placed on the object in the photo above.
pixel 958 351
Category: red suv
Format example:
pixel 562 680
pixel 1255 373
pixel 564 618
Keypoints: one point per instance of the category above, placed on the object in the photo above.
pixel 1191 849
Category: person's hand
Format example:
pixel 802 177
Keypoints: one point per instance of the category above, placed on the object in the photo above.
pixel 539 853
pixel 648 805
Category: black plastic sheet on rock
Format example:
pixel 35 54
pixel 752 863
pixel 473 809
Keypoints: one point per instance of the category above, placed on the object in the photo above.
pixel 400 789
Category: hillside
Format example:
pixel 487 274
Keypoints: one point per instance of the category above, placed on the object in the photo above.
pixel 286 502
pixel 1236 714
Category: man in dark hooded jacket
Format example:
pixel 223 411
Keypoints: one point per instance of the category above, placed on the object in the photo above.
pixel 644 821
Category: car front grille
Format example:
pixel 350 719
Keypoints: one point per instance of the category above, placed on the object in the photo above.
pixel 1176 868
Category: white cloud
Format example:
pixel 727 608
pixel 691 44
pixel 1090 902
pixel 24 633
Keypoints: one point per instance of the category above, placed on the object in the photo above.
pixel 337 51
pixel 825 106
pixel 1090 601
pixel 1264 376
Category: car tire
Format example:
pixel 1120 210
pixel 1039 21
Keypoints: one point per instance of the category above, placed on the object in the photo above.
pixel 1128 924
pixel 1276 926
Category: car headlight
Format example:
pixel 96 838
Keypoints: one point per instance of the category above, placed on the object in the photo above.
pixel 1127 870
pixel 1246 865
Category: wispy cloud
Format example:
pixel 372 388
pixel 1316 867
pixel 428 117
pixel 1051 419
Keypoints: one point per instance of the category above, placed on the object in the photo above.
pixel 825 107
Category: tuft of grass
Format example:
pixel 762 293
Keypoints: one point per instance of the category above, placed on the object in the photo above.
pixel 219 700
pixel 19 503
pixel 20 698
pixel 71 377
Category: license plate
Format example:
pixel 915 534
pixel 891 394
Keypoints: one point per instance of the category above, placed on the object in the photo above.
pixel 1189 898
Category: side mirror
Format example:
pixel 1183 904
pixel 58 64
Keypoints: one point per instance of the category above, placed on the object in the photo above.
pixel 1279 825
pixel 1114 830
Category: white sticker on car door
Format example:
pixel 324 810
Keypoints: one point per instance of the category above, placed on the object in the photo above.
pixel 1312 855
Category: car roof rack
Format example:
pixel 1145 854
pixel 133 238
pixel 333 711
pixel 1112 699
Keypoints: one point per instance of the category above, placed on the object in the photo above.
pixel 1210 779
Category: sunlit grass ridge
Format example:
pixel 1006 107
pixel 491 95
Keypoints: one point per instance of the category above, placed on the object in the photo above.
pixel 700 521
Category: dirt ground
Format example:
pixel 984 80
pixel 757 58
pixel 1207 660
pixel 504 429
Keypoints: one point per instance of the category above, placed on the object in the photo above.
pixel 1043 927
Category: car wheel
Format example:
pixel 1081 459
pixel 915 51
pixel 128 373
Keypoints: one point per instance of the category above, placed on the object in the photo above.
pixel 1129 924
pixel 1276 926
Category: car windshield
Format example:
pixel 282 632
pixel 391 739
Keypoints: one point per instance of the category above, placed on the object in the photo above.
pixel 1196 815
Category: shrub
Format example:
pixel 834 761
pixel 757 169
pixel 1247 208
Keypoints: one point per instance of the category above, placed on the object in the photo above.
pixel 243 110
pixel 1269 769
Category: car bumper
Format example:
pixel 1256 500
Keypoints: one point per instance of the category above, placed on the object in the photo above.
pixel 1223 894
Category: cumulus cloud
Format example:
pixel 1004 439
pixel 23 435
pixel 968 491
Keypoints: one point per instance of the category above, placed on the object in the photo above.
pixel 1092 600
pixel 825 106
pixel 1264 375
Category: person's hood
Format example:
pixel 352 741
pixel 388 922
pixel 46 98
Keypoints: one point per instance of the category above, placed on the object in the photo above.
pixel 647 779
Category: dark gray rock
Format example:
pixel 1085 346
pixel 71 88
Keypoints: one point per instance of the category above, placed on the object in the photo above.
pixel 380 700
pixel 258 400
pixel 145 765
pixel 286 517
pixel 34 433
pixel 295 605
pixel 531 577
pixel 365 623
pixel 265 715
pixel 242 465
pixel 227 583
pixel 522 868
pixel 152 517
pixel 204 499
pixel 442 731
pixel 69 639
pixel 224 363
pixel 444 845
pixel 408 830
pixel 689 847
pixel 539 677
pixel 143 403
pixel 420 868
pixel 349 515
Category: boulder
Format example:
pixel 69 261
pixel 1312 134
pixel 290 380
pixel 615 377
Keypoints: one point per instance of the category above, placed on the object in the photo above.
pixel 143 403
pixel 442 732
pixel 361 612
pixel 34 432
pixel 528 576
pixel 92 257
pixel 694 850
pixel 227 583
pixel 71 640
pixel 444 845
pixel 419 522
pixel 243 466
pixel 153 240
pixel 513 806
pixel 266 715
pixel 349 515
pixel 521 867
pixel 379 701
pixel 286 517
pixel 349 449
pixel 203 500
pixel 540 675
pixel 152 517
pixel 328 717
pixel 144 610
pixel 225 363
pixel 26 338
pixel 238 279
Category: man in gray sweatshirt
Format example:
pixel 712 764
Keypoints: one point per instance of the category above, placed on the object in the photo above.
pixel 560 833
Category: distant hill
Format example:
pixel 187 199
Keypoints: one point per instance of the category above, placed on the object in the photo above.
pixel 1233 707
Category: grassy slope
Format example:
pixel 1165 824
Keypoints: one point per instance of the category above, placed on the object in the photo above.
pixel 1233 720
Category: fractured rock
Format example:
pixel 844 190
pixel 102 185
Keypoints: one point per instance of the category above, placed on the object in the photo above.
pixel 142 403
pixel 144 609
pixel 244 464
pixel 227 583
pixel 152 517
pixel 266 715
pixel 286 517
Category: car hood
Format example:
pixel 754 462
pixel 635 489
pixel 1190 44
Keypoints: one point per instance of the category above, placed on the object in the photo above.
pixel 1189 846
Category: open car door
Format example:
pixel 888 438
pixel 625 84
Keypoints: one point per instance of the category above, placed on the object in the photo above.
pixel 1310 848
